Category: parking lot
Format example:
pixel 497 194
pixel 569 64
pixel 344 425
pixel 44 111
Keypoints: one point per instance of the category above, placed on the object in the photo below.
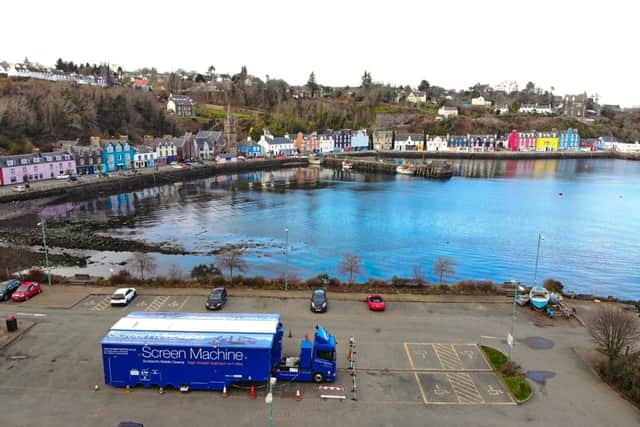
pixel 416 364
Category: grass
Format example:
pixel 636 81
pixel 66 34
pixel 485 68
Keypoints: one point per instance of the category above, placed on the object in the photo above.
pixel 518 384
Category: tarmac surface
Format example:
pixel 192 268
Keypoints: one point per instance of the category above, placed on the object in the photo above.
pixel 417 364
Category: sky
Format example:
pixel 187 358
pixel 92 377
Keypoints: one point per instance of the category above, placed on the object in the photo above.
pixel 587 46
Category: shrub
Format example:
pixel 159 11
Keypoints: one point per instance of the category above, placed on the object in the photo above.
pixel 204 270
pixel 36 276
pixel 121 277
pixel 334 282
pixel 553 286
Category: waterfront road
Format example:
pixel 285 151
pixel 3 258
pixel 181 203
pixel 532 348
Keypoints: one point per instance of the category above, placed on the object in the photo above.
pixel 418 365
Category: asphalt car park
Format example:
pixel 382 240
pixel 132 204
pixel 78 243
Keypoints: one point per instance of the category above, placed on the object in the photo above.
pixel 416 364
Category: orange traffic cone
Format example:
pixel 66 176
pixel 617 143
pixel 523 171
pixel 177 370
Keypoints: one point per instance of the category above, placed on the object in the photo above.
pixel 349 355
pixel 224 391
pixel 298 395
pixel 252 395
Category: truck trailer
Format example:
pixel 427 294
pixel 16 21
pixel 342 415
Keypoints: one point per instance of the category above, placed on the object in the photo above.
pixel 209 351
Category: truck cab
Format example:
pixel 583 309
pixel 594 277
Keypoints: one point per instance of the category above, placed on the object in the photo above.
pixel 317 361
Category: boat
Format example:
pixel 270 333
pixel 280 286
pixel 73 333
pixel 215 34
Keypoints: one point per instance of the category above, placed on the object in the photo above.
pixel 523 296
pixel 315 161
pixel 406 170
pixel 346 164
pixel 539 297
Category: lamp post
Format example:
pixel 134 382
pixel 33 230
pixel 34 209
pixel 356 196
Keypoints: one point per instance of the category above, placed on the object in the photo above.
pixel 535 273
pixel 511 338
pixel 46 252
pixel 286 251
pixel 269 399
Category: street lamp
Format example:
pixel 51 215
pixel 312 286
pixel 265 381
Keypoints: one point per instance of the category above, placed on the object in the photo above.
pixel 286 249
pixel 535 273
pixel 269 399
pixel 46 251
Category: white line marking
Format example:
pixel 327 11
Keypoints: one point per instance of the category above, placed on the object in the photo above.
pixel 31 314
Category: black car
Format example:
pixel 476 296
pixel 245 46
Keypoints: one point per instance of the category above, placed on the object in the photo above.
pixel 216 299
pixel 8 288
pixel 319 303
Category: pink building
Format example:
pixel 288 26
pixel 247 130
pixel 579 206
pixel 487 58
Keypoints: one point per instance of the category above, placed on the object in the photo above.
pixel 313 144
pixel 35 167
pixel 522 141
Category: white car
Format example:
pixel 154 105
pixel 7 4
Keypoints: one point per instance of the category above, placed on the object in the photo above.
pixel 123 296
pixel 65 176
pixel 20 188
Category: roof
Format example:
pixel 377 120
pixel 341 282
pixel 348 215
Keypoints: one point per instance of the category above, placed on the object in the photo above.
pixel 211 135
pixel 181 100
pixel 42 156
pixel 194 339
pixel 199 322
pixel 446 108
pixel 278 140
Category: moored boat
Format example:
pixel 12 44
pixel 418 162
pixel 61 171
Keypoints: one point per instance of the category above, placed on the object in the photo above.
pixel 539 297
pixel 406 170
pixel 315 161
pixel 346 164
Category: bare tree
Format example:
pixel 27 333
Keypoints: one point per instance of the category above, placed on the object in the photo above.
pixel 175 272
pixel 613 330
pixel 231 259
pixel 143 262
pixel 351 264
pixel 418 275
pixel 444 267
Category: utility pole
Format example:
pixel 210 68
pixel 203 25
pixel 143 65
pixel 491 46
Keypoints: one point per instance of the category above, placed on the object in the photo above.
pixel 511 338
pixel 535 273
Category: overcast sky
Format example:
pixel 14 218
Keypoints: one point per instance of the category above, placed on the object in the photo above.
pixel 576 46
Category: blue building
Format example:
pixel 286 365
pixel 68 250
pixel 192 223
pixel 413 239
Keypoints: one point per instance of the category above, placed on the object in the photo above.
pixel 458 142
pixel 360 140
pixel 250 148
pixel 116 156
pixel 342 140
pixel 569 140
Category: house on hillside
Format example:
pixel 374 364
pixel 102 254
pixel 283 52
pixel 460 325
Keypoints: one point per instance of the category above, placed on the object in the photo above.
pixel 575 105
pixel 181 105
pixel 480 102
pixel 273 146
pixel 416 97
pixel 536 109
pixel 25 168
pixel 250 148
pixel 447 112
pixel 209 142
pixel 141 84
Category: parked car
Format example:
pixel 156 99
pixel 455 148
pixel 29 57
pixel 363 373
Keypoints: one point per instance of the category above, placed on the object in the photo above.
pixel 8 288
pixel 129 424
pixel 65 176
pixel 123 296
pixel 20 188
pixel 26 290
pixel 216 299
pixel 73 178
pixel 319 303
pixel 375 302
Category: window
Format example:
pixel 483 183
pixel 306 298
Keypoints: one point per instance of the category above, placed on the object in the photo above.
pixel 60 166
pixel 36 160
pixel 24 161
pixel 326 355
pixel 9 162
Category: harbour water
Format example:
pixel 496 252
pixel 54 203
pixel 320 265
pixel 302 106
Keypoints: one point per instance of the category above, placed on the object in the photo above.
pixel 487 219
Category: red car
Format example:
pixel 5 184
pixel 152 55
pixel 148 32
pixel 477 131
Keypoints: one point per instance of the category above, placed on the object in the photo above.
pixel 375 302
pixel 26 291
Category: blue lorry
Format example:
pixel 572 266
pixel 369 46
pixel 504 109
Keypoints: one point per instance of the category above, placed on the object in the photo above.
pixel 209 351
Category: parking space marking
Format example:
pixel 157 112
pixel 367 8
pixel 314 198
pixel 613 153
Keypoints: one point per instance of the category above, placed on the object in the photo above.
pixel 471 357
pixel 465 388
pixel 424 396
pixel 448 356
pixel 157 303
pixel 102 304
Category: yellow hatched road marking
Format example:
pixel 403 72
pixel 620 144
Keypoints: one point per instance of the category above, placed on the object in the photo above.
pixel 465 388
pixel 157 303
pixel 102 304
pixel 424 395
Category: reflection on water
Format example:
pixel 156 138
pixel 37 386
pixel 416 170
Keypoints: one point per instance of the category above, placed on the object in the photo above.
pixel 489 226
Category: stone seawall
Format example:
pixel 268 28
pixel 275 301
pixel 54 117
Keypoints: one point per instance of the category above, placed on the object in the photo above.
pixel 497 155
pixel 116 184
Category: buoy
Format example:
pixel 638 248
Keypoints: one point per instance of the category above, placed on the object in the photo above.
pixel 560 193
pixel 298 395
pixel 224 391
pixel 252 394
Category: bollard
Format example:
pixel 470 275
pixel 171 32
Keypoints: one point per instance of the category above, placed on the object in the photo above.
pixel 12 323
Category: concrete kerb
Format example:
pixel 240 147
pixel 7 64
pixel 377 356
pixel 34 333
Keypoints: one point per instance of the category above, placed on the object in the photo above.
pixel 15 336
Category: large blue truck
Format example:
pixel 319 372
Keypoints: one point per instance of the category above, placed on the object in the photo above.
pixel 209 351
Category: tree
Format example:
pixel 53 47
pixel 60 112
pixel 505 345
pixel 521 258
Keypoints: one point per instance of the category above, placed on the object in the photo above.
pixel 366 80
pixel 231 259
pixel 613 331
pixel 444 267
pixel 418 275
pixel 424 86
pixel 530 87
pixel 351 264
pixel 175 272
pixel 202 271
pixel 312 85
pixel 143 262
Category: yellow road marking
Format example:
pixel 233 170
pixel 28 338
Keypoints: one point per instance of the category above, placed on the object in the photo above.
pixel 183 303
pixel 424 395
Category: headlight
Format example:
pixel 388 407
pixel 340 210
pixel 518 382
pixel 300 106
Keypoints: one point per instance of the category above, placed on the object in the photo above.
pixel 324 304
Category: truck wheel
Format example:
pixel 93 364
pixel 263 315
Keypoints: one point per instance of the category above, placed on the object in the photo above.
pixel 318 377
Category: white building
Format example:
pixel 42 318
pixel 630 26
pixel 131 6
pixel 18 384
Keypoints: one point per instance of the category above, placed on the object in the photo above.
pixel 326 143
pixel 436 143
pixel 276 145
pixel 416 97
pixel 535 109
pixel 480 102
pixel 144 157
pixel 408 143
pixel 447 112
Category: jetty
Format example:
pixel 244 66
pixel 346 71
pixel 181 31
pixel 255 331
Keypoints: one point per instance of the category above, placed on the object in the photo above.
pixel 432 169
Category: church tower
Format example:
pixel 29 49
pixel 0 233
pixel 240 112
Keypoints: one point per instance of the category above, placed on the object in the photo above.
pixel 230 133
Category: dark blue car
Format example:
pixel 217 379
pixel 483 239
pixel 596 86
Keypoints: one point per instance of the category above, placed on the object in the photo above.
pixel 8 288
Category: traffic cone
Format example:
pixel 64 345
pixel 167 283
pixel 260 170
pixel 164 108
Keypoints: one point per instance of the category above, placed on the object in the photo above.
pixel 252 394
pixel 298 395
pixel 160 390
pixel 224 391
pixel 128 389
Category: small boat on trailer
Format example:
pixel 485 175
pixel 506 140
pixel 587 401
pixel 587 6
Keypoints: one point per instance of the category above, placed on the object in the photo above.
pixel 539 298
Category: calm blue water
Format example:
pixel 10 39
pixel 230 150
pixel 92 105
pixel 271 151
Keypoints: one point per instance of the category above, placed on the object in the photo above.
pixel 487 219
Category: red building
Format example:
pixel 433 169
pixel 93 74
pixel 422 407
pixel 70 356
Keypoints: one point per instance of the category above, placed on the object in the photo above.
pixel 522 141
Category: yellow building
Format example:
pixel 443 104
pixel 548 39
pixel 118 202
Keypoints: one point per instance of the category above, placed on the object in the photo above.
pixel 547 141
